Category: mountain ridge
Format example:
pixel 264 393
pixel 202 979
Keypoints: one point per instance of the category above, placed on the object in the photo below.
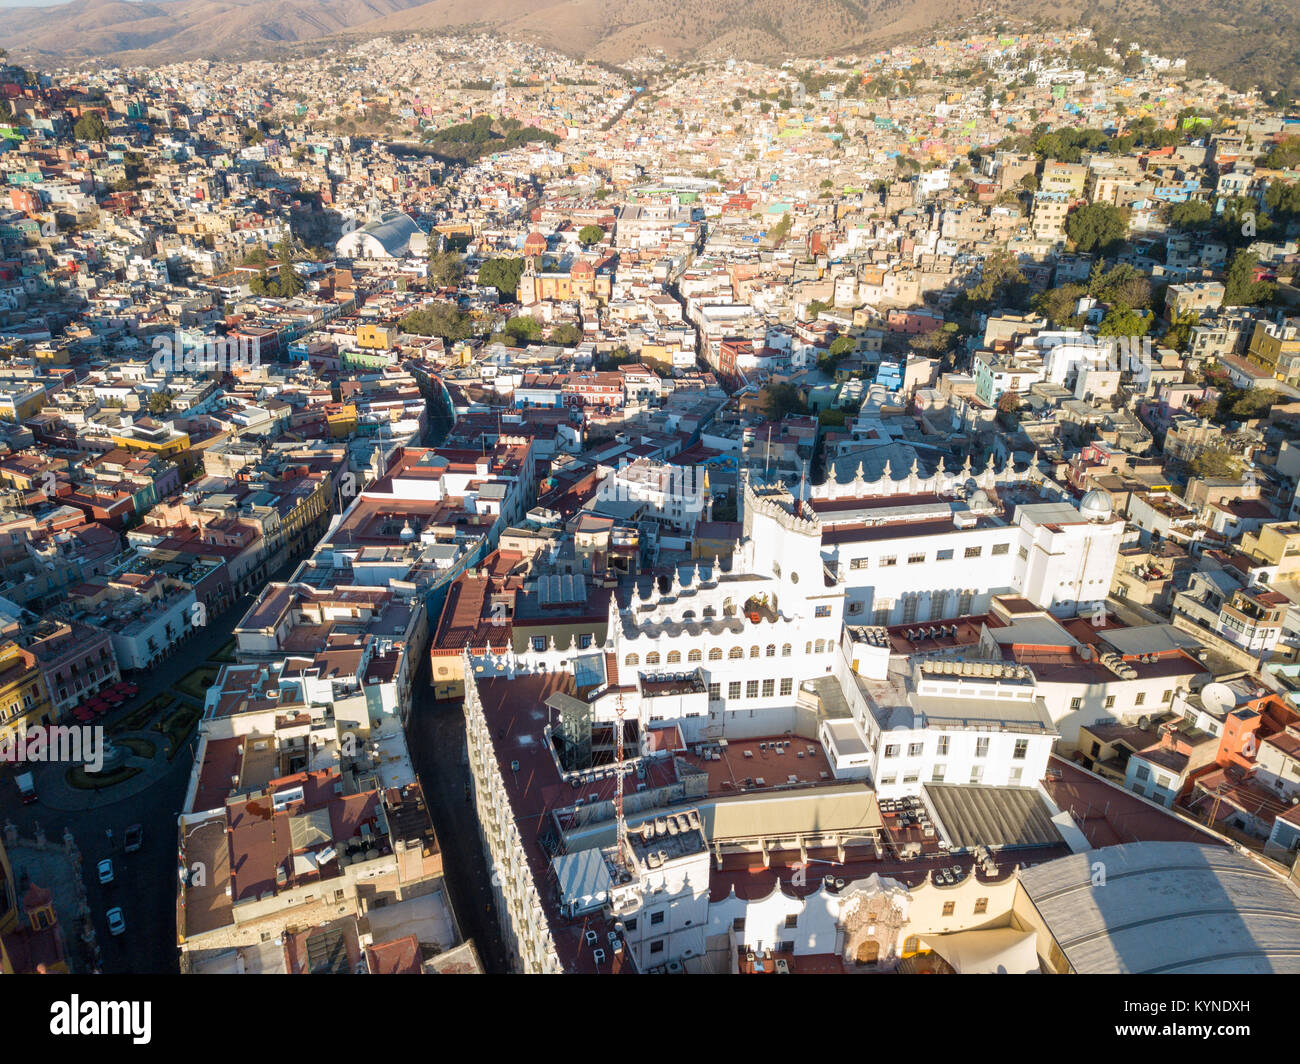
pixel 1229 41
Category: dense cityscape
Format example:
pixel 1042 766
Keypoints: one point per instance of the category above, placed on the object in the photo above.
pixel 471 509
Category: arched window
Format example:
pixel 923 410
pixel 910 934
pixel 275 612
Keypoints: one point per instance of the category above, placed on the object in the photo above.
pixel 735 652
pixel 652 658
pixel 911 944
pixel 674 657
pixel 632 659
pixel 715 654
pixel 821 646
pixel 753 651
pixel 771 650
pixel 808 648
pixel 786 650
pixel 694 655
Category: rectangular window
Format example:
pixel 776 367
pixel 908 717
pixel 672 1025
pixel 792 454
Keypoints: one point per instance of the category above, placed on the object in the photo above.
pixel 738 924
pixel 911 777
pixel 882 616
pixel 1110 701
pixel 1168 696
pixel 733 689
pixel 715 693
pixel 981 906
pixel 657 918
pixel 631 924
pixel 1140 699
pixel 792 921
pixel 1076 703
pixel 891 751
pixel 885 563
pixel 937 775
pixel 915 749
pixel 916 559
pixel 888 781
pixel 1015 777
pixel 964 601
pixel 855 609
pixel 860 563
pixel 943 555
pixel 657 947
pixel 751 688
pixel 822 611
pixel 539 643
pixel 1001 548
pixel 769 688
pixel 1022 748
pixel 910 605
pixel 982 747
pixel 1141 773
pixel 949 907
pixel 977 774
pixel 1024 554
pixel 974 552
pixel 942 751
pixel 787 685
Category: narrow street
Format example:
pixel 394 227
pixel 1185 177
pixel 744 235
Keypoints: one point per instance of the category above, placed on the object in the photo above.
pixel 436 737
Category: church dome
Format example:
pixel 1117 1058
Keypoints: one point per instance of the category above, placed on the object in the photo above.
pixel 1095 506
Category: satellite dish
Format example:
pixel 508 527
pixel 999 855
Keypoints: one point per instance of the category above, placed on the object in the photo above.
pixel 1218 697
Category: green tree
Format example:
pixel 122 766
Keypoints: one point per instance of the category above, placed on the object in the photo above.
pixel 1217 463
pixel 1057 305
pixel 160 402
pixel 1124 321
pixel 1191 214
pixel 1254 403
pixel 1000 276
pixel 523 329
pixel 289 283
pixel 446 269
pixel 1240 289
pixel 502 274
pixel 565 333
pixel 441 319
pixel 90 127
pixel 590 234
pixel 1099 227
pixel 781 399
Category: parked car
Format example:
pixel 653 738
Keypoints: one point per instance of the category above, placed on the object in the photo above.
pixel 116 921
pixel 134 837
pixel 105 868
pixel 26 787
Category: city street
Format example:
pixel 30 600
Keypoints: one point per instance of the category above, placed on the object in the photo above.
pixel 436 737
pixel 144 883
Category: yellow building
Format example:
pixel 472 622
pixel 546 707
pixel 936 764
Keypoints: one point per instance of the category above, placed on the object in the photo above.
pixel 1276 350
pixel 1276 544
pixel 582 281
pixel 374 337
pixel 341 419
pixel 24 699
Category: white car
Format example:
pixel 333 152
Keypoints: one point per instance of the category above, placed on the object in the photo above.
pixel 116 921
pixel 105 871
